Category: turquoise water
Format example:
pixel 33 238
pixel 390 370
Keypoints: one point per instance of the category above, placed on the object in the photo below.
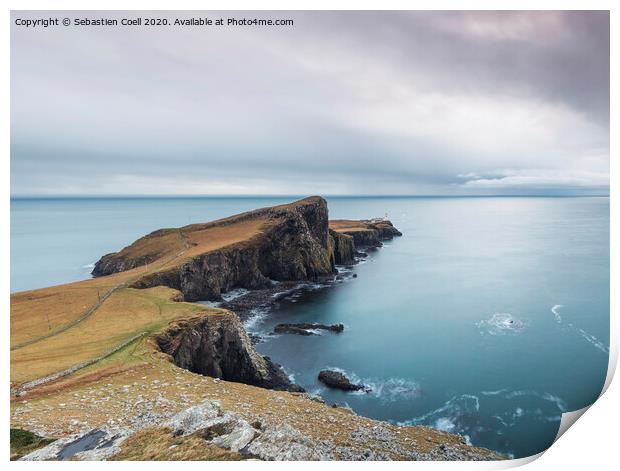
pixel 488 318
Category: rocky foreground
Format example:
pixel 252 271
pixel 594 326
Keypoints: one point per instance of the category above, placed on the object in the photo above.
pixel 123 367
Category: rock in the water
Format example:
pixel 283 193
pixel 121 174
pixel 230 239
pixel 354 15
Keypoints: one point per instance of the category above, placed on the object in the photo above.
pixel 284 443
pixel 337 380
pixel 306 328
pixel 94 445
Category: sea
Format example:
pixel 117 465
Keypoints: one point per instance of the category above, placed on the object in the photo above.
pixel 488 318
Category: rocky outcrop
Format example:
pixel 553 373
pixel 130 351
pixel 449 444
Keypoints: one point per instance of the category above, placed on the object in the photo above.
pixel 337 380
pixel 306 328
pixel 207 427
pixel 293 245
pixel 385 229
pixel 216 345
pixel 366 233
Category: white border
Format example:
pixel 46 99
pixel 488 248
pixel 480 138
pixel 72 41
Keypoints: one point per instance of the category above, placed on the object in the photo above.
pixel 592 443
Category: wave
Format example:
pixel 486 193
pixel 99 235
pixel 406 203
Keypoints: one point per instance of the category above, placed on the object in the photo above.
pixel 255 318
pixel 449 414
pixel 494 393
pixel 501 323
pixel 462 414
pixel 234 294
pixel 90 266
pixel 559 403
pixel 592 339
pixel 296 291
pixel 226 297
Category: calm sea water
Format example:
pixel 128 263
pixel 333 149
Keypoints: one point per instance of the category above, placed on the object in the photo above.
pixel 488 318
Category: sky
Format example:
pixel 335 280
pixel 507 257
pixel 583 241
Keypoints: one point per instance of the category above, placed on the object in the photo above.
pixel 340 103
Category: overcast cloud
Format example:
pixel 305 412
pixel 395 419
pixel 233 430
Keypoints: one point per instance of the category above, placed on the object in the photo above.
pixel 339 103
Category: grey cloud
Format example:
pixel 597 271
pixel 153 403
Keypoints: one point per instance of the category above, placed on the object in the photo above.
pixel 343 102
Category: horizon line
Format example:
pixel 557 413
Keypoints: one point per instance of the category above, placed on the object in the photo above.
pixel 204 196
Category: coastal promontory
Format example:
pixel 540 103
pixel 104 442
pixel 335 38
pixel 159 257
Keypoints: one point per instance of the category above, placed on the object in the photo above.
pixel 126 366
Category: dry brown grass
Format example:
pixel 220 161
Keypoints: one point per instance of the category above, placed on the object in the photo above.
pixel 346 225
pixel 207 240
pixel 55 328
pixel 123 315
pixel 158 444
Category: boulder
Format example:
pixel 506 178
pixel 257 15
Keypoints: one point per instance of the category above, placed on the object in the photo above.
pixel 284 443
pixel 337 380
pixel 239 437
pixel 195 418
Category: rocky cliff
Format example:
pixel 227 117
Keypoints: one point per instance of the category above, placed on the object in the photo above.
pixel 216 345
pixel 292 242
pixel 365 233
pixel 288 243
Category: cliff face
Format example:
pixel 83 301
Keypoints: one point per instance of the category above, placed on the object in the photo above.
pixel 293 242
pixel 289 243
pixel 218 346
pixel 342 248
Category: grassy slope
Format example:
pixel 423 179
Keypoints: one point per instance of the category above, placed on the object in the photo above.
pixel 55 328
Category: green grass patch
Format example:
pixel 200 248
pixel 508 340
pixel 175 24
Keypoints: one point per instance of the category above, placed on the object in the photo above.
pixel 24 442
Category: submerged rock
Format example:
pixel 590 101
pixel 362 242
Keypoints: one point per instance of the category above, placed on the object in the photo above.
pixel 337 380
pixel 306 328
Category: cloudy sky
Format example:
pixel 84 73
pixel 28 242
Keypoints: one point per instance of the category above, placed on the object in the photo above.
pixel 339 103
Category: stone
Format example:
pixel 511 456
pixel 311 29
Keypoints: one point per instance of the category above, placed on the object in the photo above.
pixel 284 443
pixel 240 437
pixel 195 418
pixel 337 380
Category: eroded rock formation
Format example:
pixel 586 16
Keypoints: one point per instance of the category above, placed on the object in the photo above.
pixel 216 345
pixel 293 244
